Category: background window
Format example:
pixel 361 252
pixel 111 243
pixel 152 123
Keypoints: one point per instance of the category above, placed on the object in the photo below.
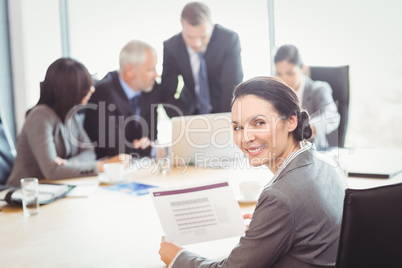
pixel 366 36
pixel 99 29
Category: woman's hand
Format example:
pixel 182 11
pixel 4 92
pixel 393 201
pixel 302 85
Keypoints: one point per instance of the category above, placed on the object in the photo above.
pixel 168 251
pixel 247 216
pixel 125 159
pixel 60 161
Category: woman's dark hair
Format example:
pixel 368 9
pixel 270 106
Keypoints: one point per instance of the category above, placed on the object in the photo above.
pixel 281 97
pixel 288 53
pixel 66 83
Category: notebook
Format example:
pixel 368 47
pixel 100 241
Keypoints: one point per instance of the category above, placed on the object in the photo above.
pixel 47 193
pixel 204 141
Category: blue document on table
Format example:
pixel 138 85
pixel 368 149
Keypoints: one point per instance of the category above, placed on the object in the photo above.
pixel 132 188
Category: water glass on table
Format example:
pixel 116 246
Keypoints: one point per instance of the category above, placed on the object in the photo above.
pixel 30 196
pixel 162 157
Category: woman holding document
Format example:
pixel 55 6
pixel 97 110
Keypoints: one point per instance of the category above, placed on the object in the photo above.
pixel 296 222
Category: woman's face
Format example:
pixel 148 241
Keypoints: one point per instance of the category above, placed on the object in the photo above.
pixel 88 96
pixel 289 73
pixel 260 132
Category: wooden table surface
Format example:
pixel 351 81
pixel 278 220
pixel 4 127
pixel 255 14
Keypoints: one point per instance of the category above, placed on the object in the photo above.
pixel 114 229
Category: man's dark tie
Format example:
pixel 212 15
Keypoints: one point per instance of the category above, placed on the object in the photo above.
pixel 203 97
pixel 135 104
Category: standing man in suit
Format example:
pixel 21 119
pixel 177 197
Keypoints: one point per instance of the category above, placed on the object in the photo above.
pixel 121 116
pixel 207 56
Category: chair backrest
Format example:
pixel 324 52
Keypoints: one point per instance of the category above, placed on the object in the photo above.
pixel 7 152
pixel 371 232
pixel 338 78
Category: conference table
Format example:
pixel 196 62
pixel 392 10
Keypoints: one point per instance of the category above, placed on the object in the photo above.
pixel 114 229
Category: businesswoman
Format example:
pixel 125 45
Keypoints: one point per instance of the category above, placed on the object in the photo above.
pixel 314 96
pixel 296 222
pixel 52 143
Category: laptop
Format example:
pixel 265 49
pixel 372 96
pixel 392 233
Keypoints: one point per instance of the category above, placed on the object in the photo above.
pixel 370 163
pixel 204 141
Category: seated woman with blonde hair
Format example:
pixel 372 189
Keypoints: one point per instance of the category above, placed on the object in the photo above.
pixel 297 219
pixel 53 143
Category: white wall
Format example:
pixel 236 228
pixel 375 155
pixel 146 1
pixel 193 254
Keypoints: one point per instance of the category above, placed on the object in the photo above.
pixel 100 28
pixel 35 44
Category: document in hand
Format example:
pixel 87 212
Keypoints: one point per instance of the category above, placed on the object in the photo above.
pixel 198 213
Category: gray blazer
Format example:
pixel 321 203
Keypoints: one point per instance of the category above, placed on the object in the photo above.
pixel 318 101
pixel 296 222
pixel 42 139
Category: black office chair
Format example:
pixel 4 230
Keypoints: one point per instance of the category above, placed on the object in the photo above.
pixel 7 152
pixel 371 232
pixel 338 78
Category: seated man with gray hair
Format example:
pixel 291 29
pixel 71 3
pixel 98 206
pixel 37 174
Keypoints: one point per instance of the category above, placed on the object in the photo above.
pixel 121 116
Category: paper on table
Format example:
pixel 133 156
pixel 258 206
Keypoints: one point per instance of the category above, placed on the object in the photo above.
pixel 83 190
pixel 198 213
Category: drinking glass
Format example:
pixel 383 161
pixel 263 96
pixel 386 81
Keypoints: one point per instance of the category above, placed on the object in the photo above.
pixel 30 196
pixel 162 157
